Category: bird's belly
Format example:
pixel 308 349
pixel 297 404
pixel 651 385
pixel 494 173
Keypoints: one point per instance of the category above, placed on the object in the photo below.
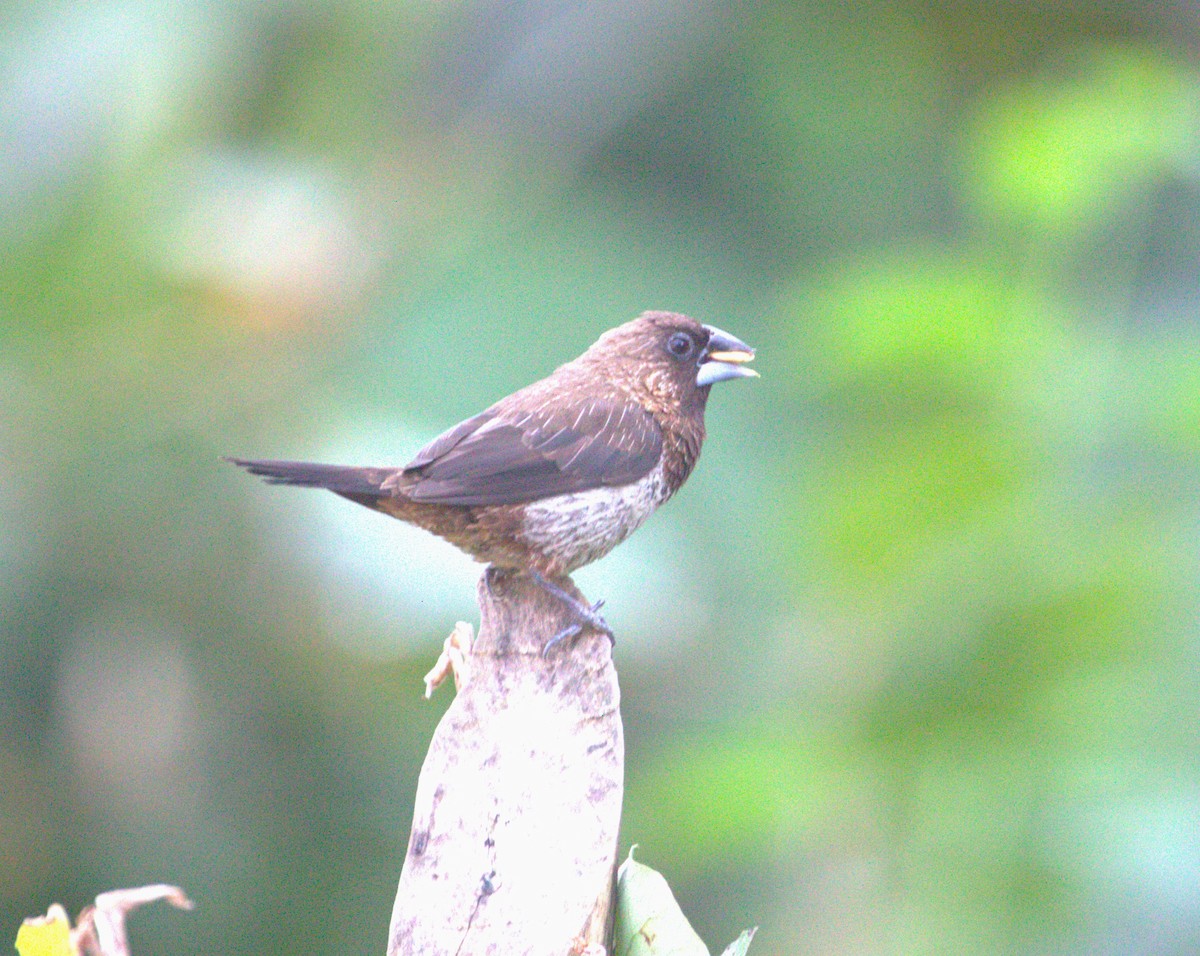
pixel 575 529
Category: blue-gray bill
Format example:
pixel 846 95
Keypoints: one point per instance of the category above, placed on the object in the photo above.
pixel 724 358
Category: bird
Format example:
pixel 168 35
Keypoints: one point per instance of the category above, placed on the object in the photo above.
pixel 557 474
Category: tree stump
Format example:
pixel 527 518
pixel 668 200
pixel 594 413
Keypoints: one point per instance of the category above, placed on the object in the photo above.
pixel 514 837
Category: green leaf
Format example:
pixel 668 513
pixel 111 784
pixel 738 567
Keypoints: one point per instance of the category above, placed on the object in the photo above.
pixel 648 920
pixel 741 945
pixel 650 923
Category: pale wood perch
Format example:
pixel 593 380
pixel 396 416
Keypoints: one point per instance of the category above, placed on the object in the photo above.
pixel 514 838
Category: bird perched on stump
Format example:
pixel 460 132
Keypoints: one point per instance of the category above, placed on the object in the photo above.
pixel 559 473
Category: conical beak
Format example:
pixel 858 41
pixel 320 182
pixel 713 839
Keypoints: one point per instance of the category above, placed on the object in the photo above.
pixel 724 358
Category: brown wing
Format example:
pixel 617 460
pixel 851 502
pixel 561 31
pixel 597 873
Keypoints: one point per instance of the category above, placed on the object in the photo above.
pixel 505 456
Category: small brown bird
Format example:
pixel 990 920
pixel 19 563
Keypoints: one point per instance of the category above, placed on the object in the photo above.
pixel 559 473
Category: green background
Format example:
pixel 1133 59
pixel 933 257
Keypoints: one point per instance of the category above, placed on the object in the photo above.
pixel 911 663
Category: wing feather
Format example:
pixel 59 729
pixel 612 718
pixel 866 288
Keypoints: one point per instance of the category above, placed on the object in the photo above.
pixel 501 458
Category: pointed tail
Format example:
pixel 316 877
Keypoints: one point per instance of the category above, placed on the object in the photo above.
pixel 363 485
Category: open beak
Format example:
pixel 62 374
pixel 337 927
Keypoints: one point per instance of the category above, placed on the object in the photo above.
pixel 724 358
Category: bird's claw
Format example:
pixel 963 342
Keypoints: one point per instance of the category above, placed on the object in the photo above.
pixel 587 615
pixel 591 619
pixel 568 632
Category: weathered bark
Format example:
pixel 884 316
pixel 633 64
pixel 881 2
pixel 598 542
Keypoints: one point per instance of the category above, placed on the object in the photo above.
pixel 514 837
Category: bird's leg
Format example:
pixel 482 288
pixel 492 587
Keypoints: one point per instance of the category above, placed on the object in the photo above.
pixel 588 614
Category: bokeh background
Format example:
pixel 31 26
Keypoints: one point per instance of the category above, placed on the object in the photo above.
pixel 910 665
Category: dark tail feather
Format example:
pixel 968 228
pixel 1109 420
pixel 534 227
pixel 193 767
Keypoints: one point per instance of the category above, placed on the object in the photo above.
pixel 363 485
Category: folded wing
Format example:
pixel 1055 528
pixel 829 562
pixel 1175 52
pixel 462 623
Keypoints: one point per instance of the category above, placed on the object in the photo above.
pixel 510 457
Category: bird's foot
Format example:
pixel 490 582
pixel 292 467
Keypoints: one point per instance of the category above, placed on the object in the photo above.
pixel 455 659
pixel 587 615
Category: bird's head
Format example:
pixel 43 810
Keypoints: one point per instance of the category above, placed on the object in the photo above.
pixel 669 360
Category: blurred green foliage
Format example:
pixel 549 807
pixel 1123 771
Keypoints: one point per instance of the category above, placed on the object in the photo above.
pixel 910 666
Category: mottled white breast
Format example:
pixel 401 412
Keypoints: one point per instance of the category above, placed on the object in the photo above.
pixel 577 528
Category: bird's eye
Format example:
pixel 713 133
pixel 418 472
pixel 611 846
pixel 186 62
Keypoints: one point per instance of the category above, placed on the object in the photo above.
pixel 680 344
